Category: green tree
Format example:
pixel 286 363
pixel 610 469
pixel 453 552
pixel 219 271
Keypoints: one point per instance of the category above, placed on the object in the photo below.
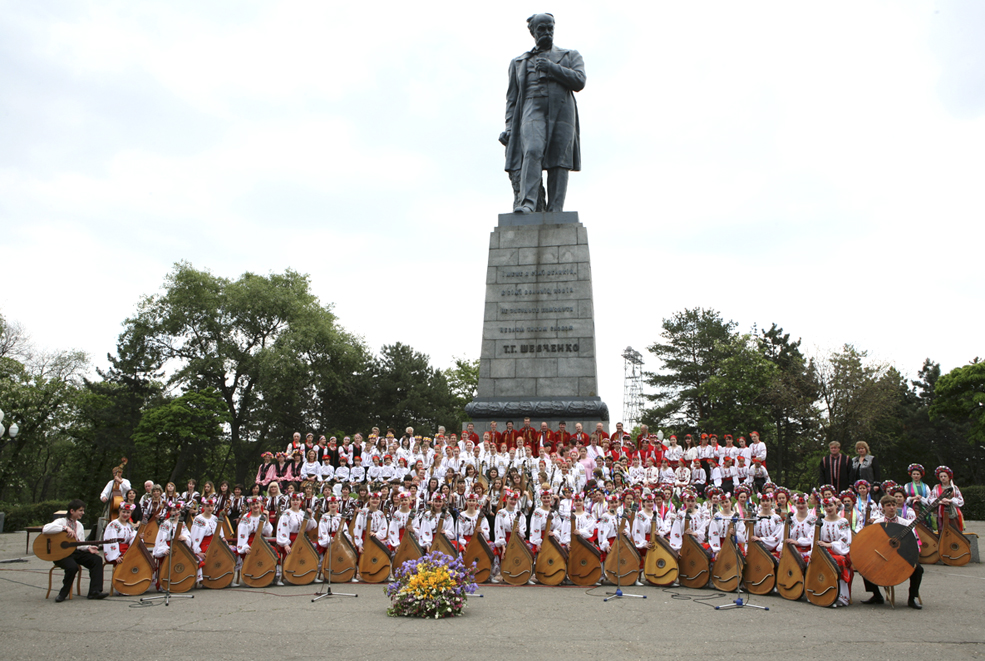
pixel 463 379
pixel 738 390
pixel 793 430
pixel 181 434
pixel 249 338
pixel 695 342
pixel 41 396
pixel 856 395
pixel 409 391
pixel 960 397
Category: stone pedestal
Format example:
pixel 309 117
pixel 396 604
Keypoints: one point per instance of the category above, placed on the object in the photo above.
pixel 538 335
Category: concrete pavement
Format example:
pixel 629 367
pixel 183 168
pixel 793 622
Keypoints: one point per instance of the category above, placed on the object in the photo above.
pixel 526 623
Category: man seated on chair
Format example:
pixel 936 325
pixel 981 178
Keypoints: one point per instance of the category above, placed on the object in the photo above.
pixel 889 515
pixel 87 556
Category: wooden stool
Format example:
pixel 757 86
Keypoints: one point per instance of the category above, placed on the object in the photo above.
pixel 891 594
pixel 78 582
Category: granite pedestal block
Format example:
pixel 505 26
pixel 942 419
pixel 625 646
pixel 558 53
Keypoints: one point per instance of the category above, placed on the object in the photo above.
pixel 538 334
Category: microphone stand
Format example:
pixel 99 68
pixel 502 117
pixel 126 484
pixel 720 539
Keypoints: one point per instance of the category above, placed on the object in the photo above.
pixel 739 602
pixel 328 576
pixel 167 596
pixel 619 594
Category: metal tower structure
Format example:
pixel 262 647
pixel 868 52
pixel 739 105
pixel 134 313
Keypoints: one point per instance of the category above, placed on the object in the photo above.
pixel 632 389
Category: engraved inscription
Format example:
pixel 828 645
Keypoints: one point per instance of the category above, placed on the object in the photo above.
pixel 540 273
pixel 540 348
pixel 537 292
pixel 535 329
pixel 535 310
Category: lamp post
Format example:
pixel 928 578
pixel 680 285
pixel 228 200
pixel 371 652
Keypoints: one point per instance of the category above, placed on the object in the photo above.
pixel 12 431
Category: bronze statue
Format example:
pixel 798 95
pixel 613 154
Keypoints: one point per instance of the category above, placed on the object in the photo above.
pixel 542 130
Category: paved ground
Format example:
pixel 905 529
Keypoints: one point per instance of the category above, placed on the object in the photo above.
pixel 526 623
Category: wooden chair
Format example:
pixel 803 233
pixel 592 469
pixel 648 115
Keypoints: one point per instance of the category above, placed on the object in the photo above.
pixel 78 582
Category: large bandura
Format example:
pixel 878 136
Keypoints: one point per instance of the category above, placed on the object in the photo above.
pixel 517 563
pixel 179 567
pixel 477 551
pixel 821 575
pixel 622 563
pixel 409 548
pixel 220 562
pixel 955 548
pixel 441 542
pixel 726 572
pixel 759 573
pixel 341 558
pixel 695 559
pixel 552 561
pixel 135 572
pixel 374 563
pixel 660 566
pixel 886 553
pixel 584 560
pixel 790 569
pixel 260 564
pixel 301 564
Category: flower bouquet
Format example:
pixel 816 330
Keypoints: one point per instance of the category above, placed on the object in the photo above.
pixel 435 585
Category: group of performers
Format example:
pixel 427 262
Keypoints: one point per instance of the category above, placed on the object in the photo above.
pixel 589 486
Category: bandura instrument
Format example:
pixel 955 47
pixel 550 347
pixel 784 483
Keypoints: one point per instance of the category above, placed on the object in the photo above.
pixel 60 545
pixel 148 531
pixel 220 561
pixel 342 556
pixel 726 572
pixel 584 560
pixel 695 559
pixel 441 541
pixel 179 567
pixel 955 548
pixel 477 551
pixel 759 575
pixel 260 564
pixel 517 562
pixel 821 577
pixel 790 569
pixel 135 572
pixel 552 560
pixel 929 544
pixel 226 527
pixel 660 566
pixel 409 548
pixel 886 553
pixel 301 564
pixel 374 563
pixel 622 563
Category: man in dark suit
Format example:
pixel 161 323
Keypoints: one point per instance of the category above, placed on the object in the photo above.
pixel 835 468
pixel 542 131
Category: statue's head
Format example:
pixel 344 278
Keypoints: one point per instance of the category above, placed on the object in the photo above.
pixel 541 26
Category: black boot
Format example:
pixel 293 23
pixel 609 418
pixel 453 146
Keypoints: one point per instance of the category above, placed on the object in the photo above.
pixel 62 595
pixel 876 599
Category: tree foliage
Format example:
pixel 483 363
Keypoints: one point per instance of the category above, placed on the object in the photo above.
pixel 264 343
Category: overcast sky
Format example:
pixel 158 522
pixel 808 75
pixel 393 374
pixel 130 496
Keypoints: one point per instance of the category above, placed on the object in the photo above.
pixel 818 165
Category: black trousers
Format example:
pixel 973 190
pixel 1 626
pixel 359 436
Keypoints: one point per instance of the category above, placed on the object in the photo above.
pixel 915 580
pixel 91 561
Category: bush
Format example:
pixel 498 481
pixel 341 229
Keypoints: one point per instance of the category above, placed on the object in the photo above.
pixel 19 517
pixel 974 502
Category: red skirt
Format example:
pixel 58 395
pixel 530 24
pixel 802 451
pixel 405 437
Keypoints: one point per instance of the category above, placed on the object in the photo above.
pixel 205 549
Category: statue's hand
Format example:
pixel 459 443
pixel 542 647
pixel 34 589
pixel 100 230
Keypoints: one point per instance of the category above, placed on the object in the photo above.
pixel 542 64
pixel 504 138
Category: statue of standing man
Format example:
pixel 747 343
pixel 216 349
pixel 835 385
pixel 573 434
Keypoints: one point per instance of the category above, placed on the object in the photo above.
pixel 542 119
